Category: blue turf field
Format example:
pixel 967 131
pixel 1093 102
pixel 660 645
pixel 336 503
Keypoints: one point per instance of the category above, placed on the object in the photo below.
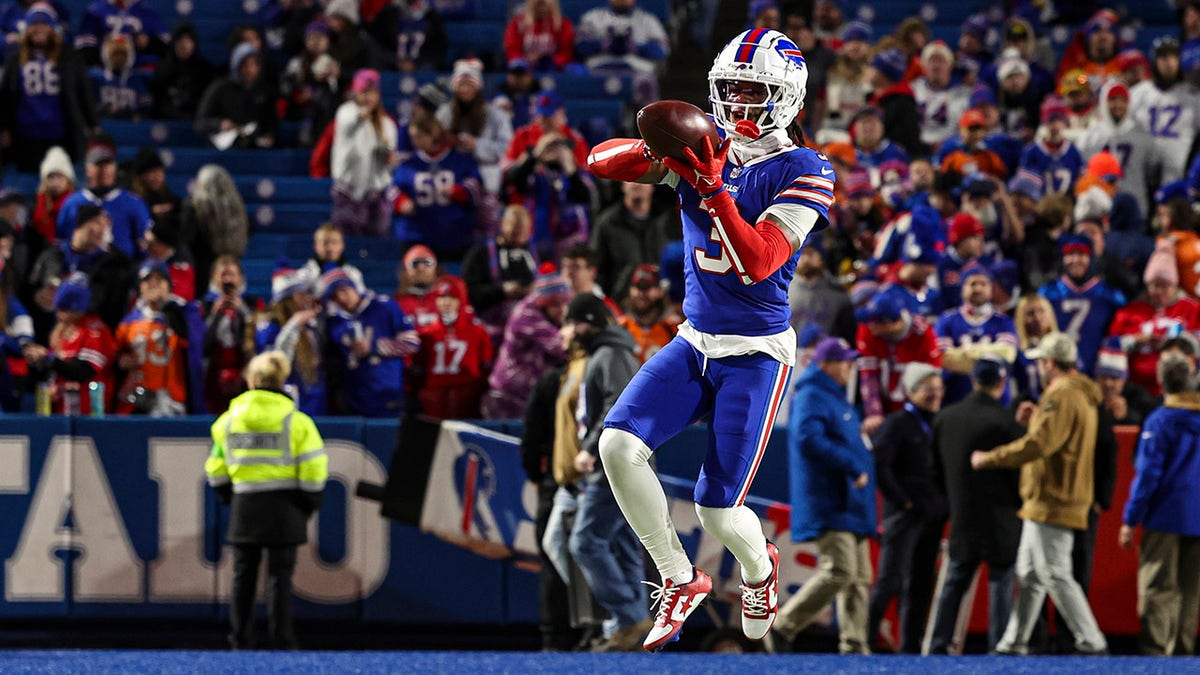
pixel 460 663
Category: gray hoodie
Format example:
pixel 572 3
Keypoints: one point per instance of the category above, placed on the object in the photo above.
pixel 611 365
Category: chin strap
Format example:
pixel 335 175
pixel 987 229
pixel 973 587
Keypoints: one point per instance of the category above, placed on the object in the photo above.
pixel 755 250
pixel 624 159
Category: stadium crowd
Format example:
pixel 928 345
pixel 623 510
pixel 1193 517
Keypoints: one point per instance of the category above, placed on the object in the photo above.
pixel 989 193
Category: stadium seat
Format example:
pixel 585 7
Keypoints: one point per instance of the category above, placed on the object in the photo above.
pixel 298 218
pixel 290 162
pixel 482 39
pixel 591 86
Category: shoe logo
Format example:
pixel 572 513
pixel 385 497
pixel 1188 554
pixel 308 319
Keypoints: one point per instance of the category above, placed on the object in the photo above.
pixel 684 608
pixel 772 596
pixel 825 171
pixel 708 181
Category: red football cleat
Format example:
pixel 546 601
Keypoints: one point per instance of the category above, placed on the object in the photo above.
pixel 676 604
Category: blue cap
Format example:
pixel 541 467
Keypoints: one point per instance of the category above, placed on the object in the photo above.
pixel 1171 191
pixel 73 295
pixel 891 63
pixel 152 266
pixel 1073 243
pixel 973 269
pixel 979 185
pixel 982 95
pixel 977 26
pixel 811 334
pixel 882 307
pixel 990 370
pixel 1027 183
pixel 548 103
pixel 519 64
pixel 834 349
pixel 858 30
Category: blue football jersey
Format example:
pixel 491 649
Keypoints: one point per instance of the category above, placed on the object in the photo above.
pixel 956 328
pixel 716 300
pixel 1058 169
pixel 926 303
pixel 439 221
pixel 1084 312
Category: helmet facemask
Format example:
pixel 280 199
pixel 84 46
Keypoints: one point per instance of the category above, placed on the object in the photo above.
pixel 780 78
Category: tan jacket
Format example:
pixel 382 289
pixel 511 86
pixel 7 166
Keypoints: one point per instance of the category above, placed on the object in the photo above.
pixel 566 425
pixel 1057 455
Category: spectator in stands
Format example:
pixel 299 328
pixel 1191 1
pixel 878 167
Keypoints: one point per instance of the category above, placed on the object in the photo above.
pixel 965 235
pixel 976 328
pixel 831 26
pixel 181 77
pixel 819 59
pixel 832 498
pixel 579 267
pixel 456 355
pixel 160 346
pixel 920 255
pixel 1113 129
pixel 1164 312
pixel 856 223
pixel 150 184
pixel 295 325
pixel 816 297
pixel 894 97
pixel 518 93
pixel 413 31
pixel 133 18
pixel 351 46
pixel 228 334
pixel 630 233
pixel 268 459
pixel 329 248
pixel 1018 98
pixel 119 90
pixel 364 154
pixel 557 192
pixel 439 192
pixel 286 21
pixel 129 214
pixel 940 100
pixel 848 85
pixel 983 504
pixel 1113 268
pixel 1126 402
pixel 81 351
pixel 889 337
pixel 214 219
pixel 500 271
pixel 162 244
pixel 239 110
pixel 914 508
pixel 12 19
pixel 1094 50
pixel 1025 189
pixel 1021 40
pixel 481 129
pixel 253 35
pixel 1189 37
pixel 373 336
pixel 20 247
pixel 16 327
pixel 985 197
pixel 541 35
pixel 311 84
pixel 972 154
pixel 57 183
pixel 1057 459
pixel 1034 319
pixel 1148 101
pixel 417 274
pixel 45 100
pixel 1161 500
pixel 622 38
pixel 871 146
pixel 601 542
pixel 1076 90
pixel 109 271
pixel 763 14
pixel 647 317
pixel 531 345
pixel 1087 322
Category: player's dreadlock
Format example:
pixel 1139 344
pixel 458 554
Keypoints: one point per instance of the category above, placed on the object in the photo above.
pixel 795 131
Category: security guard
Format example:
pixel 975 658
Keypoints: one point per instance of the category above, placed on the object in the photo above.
pixel 268 460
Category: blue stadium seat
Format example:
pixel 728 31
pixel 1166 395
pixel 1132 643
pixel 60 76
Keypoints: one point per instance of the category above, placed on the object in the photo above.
pixel 482 39
pixel 174 133
pixel 574 9
pixel 592 86
pixel 290 162
pixel 25 182
pixel 284 189
pixel 288 218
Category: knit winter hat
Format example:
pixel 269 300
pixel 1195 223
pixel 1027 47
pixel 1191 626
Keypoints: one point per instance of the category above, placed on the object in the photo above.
pixel 858 31
pixel 241 52
pixel 1027 183
pixel 1162 265
pixel 348 9
pixel 1112 360
pixel 57 161
pixel 915 373
pixel 467 70
pixel 891 63
pixel 334 279
pixel 964 225
pixel 550 283
pixel 73 295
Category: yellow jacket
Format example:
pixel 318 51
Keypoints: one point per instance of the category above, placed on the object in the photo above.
pixel 263 443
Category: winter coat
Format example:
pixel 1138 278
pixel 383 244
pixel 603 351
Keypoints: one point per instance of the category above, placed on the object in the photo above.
pixel 825 302
pixel 983 504
pixel 531 347
pixel 110 277
pixel 826 454
pixel 360 154
pixel 622 242
pixel 901 120
pixel 1162 496
pixel 904 464
pixel 230 99
pixel 1057 454
pixel 537 438
pixel 178 85
pixel 611 365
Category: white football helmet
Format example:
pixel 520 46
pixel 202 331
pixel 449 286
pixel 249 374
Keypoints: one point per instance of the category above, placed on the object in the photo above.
pixel 762 56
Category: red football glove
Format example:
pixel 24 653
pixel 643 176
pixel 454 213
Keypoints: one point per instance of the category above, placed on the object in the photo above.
pixel 624 159
pixel 703 172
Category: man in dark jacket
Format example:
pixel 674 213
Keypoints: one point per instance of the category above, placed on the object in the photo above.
pixel 833 497
pixel 1162 499
pixel 893 96
pixel 816 296
pixel 243 102
pixel 629 234
pixel 602 542
pixel 914 510
pixel 983 504
pixel 182 77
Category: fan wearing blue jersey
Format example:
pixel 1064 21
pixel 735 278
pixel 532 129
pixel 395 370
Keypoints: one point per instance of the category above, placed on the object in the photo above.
pixel 971 331
pixel 1053 156
pixel 747 207
pixel 1083 304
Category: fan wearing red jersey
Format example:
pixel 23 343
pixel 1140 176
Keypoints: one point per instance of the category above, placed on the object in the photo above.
pixel 889 337
pixel 456 355
pixel 82 349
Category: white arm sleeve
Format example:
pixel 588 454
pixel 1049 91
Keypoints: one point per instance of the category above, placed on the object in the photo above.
pixel 797 219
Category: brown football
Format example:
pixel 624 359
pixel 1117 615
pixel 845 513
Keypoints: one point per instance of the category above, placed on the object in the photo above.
pixel 670 126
